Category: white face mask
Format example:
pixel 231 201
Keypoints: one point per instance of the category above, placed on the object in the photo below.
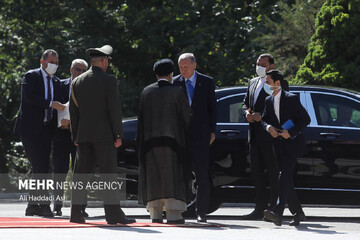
pixel 51 68
pixel 261 71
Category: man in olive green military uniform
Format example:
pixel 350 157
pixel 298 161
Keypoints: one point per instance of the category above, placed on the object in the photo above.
pixel 96 128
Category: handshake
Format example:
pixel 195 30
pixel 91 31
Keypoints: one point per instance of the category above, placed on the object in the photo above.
pixel 63 114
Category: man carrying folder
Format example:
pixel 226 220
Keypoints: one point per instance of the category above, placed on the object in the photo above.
pixel 284 118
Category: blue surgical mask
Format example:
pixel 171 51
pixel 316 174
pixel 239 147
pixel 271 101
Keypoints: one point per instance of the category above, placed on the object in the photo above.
pixel 268 90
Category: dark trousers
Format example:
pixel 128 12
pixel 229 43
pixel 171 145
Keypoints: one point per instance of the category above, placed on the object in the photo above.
pixel 63 147
pixel 287 193
pixel 37 148
pixel 199 155
pixel 88 156
pixel 264 167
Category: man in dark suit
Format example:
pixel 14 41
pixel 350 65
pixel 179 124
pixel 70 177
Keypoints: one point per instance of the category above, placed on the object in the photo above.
pixel 284 118
pixel 36 123
pixel 164 115
pixel 96 128
pixel 261 151
pixel 200 91
pixel 63 146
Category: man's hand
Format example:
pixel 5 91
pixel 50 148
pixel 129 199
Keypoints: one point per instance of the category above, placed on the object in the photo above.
pixel 285 134
pixel 256 116
pixel 273 131
pixel 65 124
pixel 212 138
pixel 75 143
pixel 117 142
pixel 57 105
pixel 249 116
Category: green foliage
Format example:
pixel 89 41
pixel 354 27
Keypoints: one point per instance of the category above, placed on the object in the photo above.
pixel 333 57
pixel 287 34
pixel 219 32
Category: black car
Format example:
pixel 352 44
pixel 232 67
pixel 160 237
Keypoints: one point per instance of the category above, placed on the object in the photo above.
pixel 329 173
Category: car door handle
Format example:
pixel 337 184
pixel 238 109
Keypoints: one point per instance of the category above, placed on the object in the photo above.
pixel 230 132
pixel 330 135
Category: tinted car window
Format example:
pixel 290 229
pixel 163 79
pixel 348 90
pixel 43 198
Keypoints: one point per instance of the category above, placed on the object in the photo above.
pixel 229 110
pixel 334 110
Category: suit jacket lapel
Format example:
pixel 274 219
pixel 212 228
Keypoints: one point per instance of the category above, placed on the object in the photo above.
pixel 197 87
pixel 41 83
pixel 281 107
pixel 57 90
pixel 252 93
pixel 182 84
pixel 273 114
pixel 262 96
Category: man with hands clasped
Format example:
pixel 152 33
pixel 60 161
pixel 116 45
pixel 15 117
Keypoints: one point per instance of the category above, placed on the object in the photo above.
pixel 263 164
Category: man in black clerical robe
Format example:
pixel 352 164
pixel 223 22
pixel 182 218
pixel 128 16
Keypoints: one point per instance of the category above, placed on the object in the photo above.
pixel 162 123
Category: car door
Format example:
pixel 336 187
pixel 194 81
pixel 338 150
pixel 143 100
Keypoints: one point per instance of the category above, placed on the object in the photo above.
pixel 335 145
pixel 229 153
pixel 304 166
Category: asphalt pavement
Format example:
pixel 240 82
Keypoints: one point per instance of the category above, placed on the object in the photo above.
pixel 322 222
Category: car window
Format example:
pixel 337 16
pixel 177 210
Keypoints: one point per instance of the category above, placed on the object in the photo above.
pixel 229 110
pixel 334 110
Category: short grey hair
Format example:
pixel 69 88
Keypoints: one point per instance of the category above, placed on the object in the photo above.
pixel 79 61
pixel 48 52
pixel 187 56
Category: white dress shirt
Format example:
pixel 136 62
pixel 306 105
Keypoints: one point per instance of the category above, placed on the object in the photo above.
pixel 44 74
pixel 276 108
pixel 277 105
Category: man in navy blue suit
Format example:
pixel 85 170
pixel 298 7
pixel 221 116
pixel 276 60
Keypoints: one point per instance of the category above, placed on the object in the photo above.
pixel 63 146
pixel 36 123
pixel 284 118
pixel 200 91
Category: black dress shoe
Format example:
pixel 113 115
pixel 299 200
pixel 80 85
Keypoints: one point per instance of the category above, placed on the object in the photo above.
pixel 122 221
pixel 274 217
pixel 254 215
pixel 57 210
pixel 46 211
pixel 298 217
pixel 201 218
pixel 266 219
pixel 80 219
pixel 179 221
pixel 58 213
pixel 157 221
pixel 32 210
pixel 85 214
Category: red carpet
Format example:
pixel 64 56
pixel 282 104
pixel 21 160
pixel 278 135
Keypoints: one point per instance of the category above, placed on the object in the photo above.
pixel 14 222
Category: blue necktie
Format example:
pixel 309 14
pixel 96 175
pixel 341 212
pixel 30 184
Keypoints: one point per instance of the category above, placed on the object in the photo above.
pixel 48 111
pixel 190 90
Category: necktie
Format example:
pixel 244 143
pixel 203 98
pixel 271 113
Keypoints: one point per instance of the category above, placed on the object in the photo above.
pixel 190 90
pixel 48 111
